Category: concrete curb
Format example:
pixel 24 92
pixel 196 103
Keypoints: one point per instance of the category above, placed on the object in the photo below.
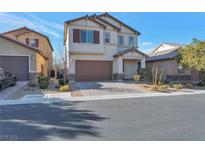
pixel 59 97
pixel 139 95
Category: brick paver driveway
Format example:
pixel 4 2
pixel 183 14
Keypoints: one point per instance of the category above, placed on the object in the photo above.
pixel 108 88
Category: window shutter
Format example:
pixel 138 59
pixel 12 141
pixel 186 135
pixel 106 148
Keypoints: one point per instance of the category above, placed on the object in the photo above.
pixel 27 41
pixel 37 43
pixel 96 37
pixel 76 35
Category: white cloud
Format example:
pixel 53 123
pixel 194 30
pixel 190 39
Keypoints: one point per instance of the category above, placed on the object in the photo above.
pixel 33 22
pixel 146 43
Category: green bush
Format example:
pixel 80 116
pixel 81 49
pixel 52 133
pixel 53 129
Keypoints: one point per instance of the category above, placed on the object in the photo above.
pixel 136 77
pixel 61 82
pixel 64 88
pixel 177 86
pixel 43 82
pixel 32 84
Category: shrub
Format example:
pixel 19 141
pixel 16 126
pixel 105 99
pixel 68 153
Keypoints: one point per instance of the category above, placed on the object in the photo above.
pixel 136 77
pixel 200 84
pixel 188 85
pixel 64 88
pixel 177 86
pixel 163 87
pixel 32 84
pixel 61 82
pixel 155 87
pixel 43 82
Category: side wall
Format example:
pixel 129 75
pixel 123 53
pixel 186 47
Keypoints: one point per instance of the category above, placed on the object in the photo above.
pixel 167 67
pixel 43 45
pixel 35 59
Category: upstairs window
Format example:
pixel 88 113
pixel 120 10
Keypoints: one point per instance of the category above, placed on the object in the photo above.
pixel 131 41
pixel 86 36
pixel 32 42
pixel 83 36
pixel 120 40
pixel 90 37
pixel 107 37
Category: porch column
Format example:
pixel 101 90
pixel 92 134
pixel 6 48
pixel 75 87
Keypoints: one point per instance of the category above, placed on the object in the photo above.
pixel 118 75
pixel 143 63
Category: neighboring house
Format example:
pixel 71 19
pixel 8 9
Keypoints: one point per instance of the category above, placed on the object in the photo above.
pixel 166 58
pixel 25 53
pixel 100 47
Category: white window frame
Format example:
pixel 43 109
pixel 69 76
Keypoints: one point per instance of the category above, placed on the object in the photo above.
pixel 133 44
pixel 119 43
pixel 107 34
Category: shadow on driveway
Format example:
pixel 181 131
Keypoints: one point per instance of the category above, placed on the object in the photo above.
pixel 46 122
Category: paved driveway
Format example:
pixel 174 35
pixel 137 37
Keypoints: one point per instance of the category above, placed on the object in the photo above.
pixel 157 118
pixel 108 88
pixel 4 94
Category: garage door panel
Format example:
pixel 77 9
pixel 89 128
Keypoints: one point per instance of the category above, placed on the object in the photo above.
pixel 17 65
pixel 93 70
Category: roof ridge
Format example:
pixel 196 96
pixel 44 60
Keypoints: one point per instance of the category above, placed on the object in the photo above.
pixel 16 29
pixel 114 18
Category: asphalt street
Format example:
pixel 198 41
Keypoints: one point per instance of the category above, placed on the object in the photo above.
pixel 140 119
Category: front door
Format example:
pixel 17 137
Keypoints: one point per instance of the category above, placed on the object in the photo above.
pixel 130 69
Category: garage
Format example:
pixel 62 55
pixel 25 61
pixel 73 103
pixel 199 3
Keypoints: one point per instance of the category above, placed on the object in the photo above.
pixel 93 70
pixel 17 65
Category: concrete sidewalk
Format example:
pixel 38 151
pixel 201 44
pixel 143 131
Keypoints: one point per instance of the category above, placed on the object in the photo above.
pixel 66 97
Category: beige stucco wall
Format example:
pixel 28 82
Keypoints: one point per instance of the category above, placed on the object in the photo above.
pixel 13 49
pixel 102 51
pixel 167 67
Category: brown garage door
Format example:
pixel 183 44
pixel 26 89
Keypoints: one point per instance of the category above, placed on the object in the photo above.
pixel 17 65
pixel 93 70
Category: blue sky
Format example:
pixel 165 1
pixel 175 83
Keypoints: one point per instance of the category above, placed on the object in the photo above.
pixel 155 28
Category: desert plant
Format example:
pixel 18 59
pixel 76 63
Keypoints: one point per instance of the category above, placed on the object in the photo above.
pixel 155 87
pixel 32 84
pixel 188 85
pixel 156 74
pixel 61 82
pixel 64 88
pixel 163 87
pixel 177 86
pixel 43 82
pixel 136 77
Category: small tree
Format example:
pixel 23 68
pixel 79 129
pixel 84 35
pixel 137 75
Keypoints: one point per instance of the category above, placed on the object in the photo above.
pixel 193 55
pixel 156 74
pixel 60 59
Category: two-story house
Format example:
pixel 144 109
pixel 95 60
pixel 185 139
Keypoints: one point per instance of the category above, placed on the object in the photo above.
pixel 101 47
pixel 25 53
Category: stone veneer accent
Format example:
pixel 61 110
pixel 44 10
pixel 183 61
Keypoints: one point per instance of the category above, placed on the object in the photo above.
pixel 118 76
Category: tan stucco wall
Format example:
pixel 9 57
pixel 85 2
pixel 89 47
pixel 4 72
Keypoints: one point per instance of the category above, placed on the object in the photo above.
pixel 41 61
pixel 10 48
pixel 43 45
pixel 168 67
pixel 13 49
